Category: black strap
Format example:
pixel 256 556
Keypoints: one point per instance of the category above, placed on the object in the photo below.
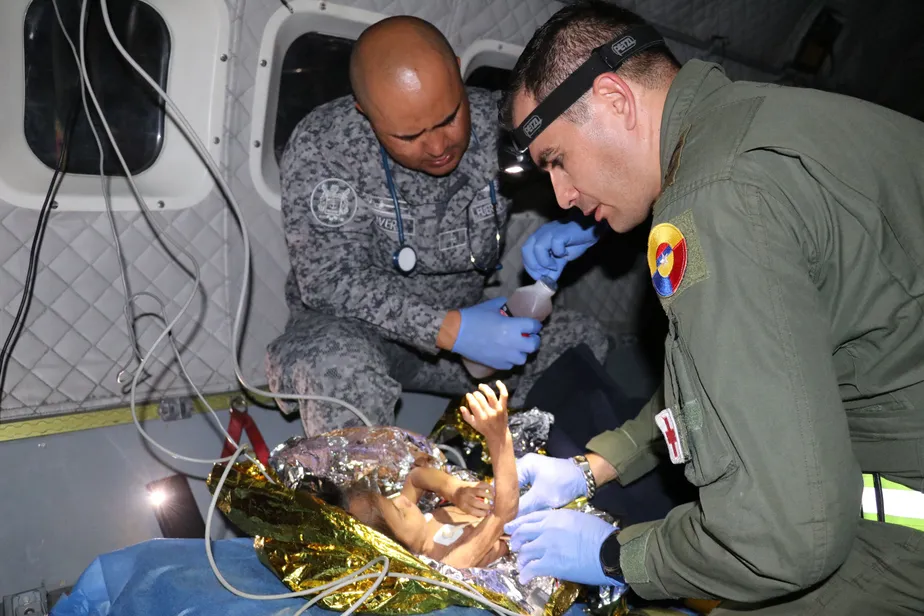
pixel 558 101
pixel 607 57
pixel 880 500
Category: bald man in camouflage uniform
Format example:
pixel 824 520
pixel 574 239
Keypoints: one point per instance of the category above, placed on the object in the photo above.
pixel 360 330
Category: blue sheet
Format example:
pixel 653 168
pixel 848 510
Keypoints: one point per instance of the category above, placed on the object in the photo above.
pixel 172 577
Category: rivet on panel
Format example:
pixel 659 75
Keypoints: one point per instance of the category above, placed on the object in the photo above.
pixel 223 57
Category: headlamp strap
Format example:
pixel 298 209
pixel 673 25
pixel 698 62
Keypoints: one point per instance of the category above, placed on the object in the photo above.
pixel 607 57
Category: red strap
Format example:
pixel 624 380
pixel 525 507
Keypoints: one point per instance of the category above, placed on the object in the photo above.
pixel 234 431
pixel 241 420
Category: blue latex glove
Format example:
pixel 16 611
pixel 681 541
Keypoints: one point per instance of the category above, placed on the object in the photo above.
pixel 562 543
pixel 555 482
pixel 488 337
pixel 552 245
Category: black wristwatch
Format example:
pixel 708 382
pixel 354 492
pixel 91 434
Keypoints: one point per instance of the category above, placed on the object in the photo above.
pixel 609 556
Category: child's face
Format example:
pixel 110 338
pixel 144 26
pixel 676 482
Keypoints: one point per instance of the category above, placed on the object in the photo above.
pixel 406 521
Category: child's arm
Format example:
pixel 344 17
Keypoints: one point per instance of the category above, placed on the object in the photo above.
pixel 472 498
pixel 488 415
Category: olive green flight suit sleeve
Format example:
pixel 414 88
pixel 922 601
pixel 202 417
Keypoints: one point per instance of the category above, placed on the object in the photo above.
pixel 751 383
pixel 633 448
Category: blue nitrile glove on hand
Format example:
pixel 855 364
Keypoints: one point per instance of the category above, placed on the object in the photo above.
pixel 488 337
pixel 552 245
pixel 561 543
pixel 555 482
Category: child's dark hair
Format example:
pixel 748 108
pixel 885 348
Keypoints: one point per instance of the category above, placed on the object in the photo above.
pixel 361 503
pixel 364 506
pixel 324 489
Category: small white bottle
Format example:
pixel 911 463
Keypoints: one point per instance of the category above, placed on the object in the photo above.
pixel 531 301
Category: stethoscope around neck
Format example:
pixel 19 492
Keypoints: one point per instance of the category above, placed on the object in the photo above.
pixel 405 257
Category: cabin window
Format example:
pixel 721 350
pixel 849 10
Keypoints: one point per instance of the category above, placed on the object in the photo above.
pixel 489 78
pixel 52 85
pixel 315 70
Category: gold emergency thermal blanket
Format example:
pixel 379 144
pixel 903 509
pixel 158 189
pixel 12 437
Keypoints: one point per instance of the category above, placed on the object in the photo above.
pixel 308 543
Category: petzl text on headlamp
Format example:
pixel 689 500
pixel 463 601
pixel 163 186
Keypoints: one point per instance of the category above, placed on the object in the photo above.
pixel 513 153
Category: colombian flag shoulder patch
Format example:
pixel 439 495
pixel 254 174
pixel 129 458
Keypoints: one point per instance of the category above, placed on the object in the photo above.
pixel 667 258
pixel 675 259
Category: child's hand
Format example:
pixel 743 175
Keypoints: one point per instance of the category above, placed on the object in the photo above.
pixel 486 413
pixel 474 498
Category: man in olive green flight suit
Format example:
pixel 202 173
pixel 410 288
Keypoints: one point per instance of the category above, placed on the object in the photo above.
pixel 787 249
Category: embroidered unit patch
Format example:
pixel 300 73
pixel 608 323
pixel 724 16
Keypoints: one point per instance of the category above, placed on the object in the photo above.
pixel 333 202
pixel 667 258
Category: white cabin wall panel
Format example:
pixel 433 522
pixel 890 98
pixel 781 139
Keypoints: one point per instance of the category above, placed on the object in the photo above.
pixel 75 340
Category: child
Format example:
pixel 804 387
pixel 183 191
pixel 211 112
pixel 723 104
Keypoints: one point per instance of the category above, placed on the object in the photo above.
pixel 467 533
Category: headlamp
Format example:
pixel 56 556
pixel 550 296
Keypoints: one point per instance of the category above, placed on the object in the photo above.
pixel 513 150
pixel 510 159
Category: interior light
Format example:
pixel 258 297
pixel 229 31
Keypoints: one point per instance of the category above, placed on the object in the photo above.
pixel 175 508
pixel 157 497
pixel 514 169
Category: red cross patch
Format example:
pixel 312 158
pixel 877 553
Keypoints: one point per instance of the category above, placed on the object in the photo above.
pixel 668 427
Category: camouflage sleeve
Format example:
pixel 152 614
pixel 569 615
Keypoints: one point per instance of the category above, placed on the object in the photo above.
pixel 330 258
pixel 753 406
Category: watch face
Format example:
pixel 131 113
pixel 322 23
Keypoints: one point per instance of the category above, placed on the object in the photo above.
pixel 609 555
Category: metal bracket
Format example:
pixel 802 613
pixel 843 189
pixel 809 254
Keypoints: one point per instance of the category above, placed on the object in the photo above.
pixel 28 603
pixel 172 409
pixel 239 404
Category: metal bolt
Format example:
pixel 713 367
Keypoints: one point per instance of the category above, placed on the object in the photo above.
pixel 223 57
pixel 216 140
pixel 160 204
pixel 54 205
pixel 262 62
pixel 323 6
pixel 256 144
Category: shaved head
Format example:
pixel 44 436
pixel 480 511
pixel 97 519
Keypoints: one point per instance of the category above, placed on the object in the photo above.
pixel 406 80
pixel 393 51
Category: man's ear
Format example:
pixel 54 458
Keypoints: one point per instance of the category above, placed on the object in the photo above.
pixel 618 97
